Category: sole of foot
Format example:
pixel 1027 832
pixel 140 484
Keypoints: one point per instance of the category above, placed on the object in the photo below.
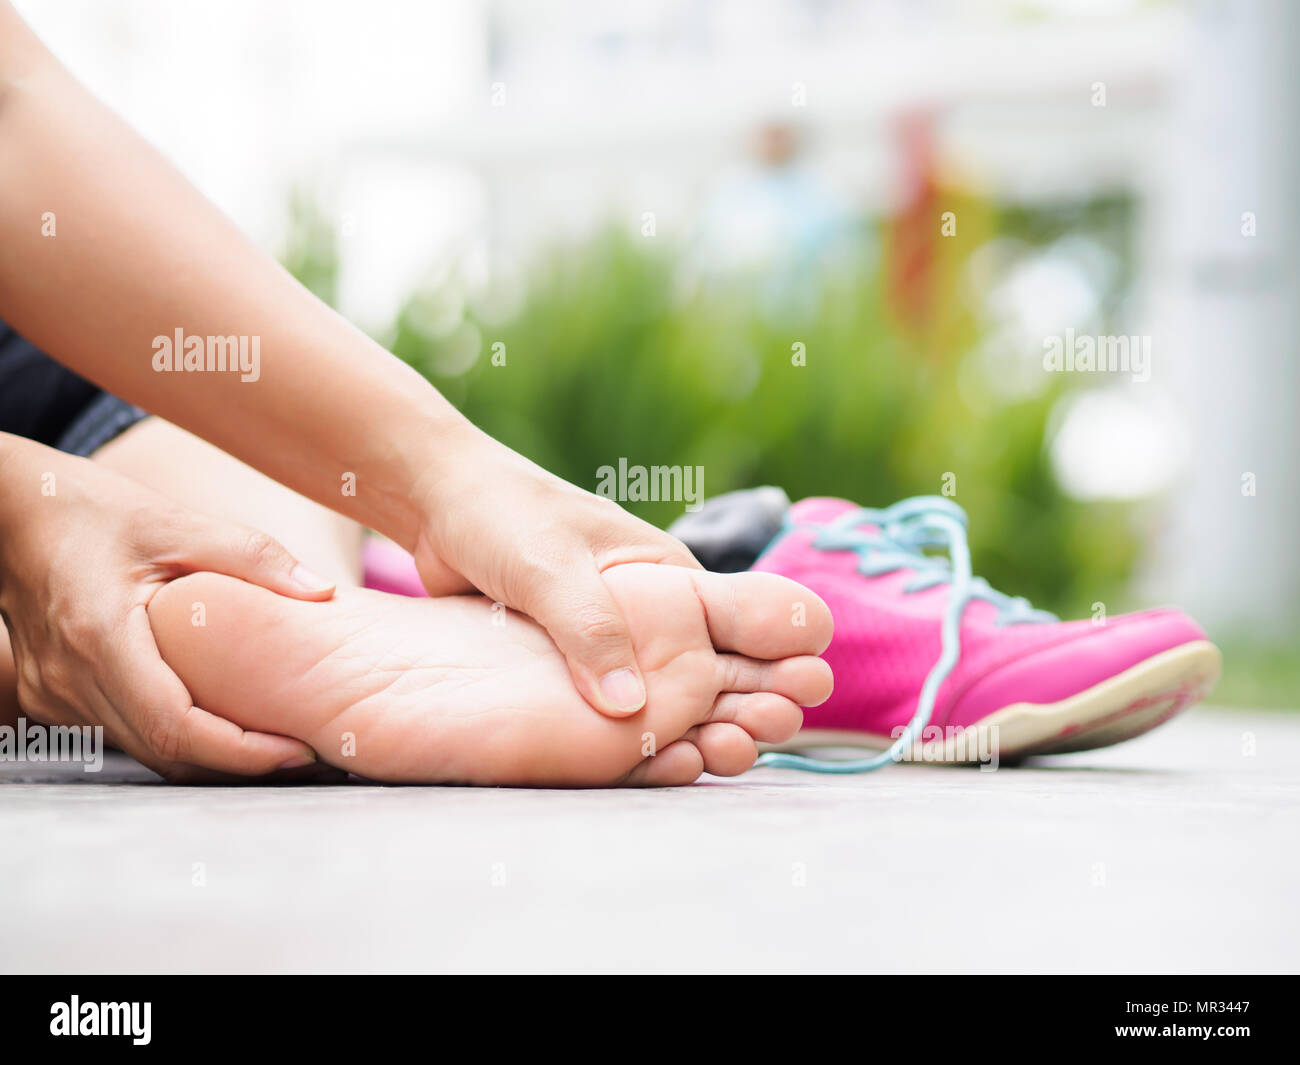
pixel 461 690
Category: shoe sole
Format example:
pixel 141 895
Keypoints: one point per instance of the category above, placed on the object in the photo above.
pixel 1117 709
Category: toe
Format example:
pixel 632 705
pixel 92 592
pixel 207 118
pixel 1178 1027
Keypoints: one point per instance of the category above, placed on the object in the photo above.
pixel 768 717
pixel 763 615
pixel 677 764
pixel 805 680
pixel 728 750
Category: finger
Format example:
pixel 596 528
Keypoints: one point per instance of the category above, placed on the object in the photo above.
pixel 676 553
pixel 217 744
pixel 249 554
pixel 588 628
pixel 320 773
pixel 158 713
pixel 666 551
pixel 438 578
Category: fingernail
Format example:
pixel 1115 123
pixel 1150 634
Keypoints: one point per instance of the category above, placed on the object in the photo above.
pixel 313 582
pixel 623 690
pixel 298 761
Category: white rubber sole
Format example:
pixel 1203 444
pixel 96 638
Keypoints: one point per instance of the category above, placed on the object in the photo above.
pixel 1119 708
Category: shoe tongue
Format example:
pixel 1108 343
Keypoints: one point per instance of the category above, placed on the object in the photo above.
pixel 819 509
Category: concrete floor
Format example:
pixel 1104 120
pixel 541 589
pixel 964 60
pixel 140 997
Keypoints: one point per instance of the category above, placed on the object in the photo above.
pixel 1175 852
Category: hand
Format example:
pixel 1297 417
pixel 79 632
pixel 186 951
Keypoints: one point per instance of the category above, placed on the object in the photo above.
pixel 82 551
pixel 496 522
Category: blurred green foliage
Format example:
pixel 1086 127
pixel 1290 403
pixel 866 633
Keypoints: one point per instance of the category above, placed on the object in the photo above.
pixel 1262 673
pixel 609 355
pixel 312 252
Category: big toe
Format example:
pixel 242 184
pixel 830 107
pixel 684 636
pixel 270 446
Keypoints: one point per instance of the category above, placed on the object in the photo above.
pixel 763 615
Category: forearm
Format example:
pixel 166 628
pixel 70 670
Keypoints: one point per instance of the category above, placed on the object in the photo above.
pixel 138 254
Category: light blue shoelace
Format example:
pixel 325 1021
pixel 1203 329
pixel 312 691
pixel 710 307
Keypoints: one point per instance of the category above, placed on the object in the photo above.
pixel 898 540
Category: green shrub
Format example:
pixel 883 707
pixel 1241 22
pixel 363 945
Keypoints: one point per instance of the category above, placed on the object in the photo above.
pixel 608 358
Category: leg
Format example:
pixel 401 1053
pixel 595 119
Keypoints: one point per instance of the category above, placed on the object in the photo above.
pixel 201 477
pixel 9 708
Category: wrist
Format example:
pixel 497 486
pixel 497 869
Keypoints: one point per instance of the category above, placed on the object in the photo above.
pixel 21 483
pixel 427 473
pixel 17 482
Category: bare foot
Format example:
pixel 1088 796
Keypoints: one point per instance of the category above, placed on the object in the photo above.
pixel 460 690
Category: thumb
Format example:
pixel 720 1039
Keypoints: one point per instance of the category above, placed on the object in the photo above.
pixel 165 731
pixel 252 556
pixel 588 628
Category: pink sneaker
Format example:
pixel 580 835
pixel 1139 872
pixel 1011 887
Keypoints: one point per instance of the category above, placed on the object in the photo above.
pixel 913 633
pixel 390 569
